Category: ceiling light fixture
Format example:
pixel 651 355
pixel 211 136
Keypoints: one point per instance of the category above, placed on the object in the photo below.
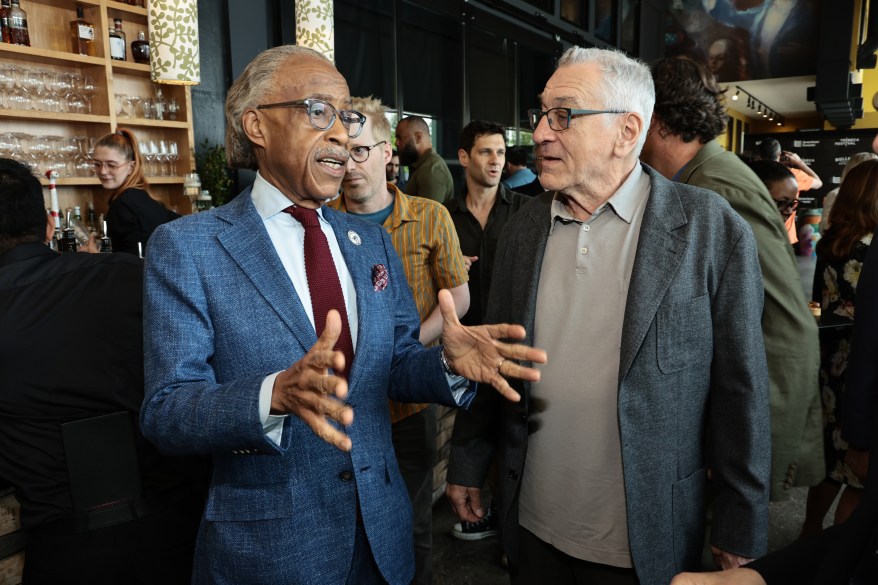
pixel 760 108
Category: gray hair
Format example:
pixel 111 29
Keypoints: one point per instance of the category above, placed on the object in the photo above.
pixel 375 113
pixel 625 86
pixel 248 91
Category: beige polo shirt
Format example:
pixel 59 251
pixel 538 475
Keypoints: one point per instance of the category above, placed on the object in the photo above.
pixel 572 491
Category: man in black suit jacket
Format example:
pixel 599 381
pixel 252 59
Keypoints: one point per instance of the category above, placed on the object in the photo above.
pixel 72 349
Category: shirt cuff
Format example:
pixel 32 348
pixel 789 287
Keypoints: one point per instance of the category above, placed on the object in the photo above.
pixel 462 390
pixel 272 424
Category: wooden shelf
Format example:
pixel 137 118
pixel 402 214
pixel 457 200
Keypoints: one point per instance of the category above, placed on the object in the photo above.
pixel 48 56
pixel 49 33
pixel 130 66
pixel 71 181
pixel 120 7
pixel 55 116
pixel 122 121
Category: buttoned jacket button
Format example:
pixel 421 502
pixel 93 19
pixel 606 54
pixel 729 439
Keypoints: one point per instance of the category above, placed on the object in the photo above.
pixel 346 475
pixel 513 475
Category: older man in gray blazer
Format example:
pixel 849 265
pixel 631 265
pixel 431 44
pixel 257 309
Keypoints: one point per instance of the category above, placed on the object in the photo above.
pixel 648 295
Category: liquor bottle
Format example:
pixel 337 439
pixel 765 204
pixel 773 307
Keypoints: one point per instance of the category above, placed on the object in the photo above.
pixel 90 218
pixel 118 46
pixel 17 18
pixel 82 34
pixel 68 237
pixel 77 213
pixel 106 244
pixel 140 49
pixel 4 22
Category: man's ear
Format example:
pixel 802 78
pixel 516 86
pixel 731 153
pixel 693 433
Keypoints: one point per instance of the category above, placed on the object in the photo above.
pixel 463 157
pixel 629 131
pixel 251 121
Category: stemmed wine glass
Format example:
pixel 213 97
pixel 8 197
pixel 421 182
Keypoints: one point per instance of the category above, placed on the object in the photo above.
pixel 150 155
pixel 38 149
pixel 164 158
pixel 17 99
pixel 76 101
pixel 32 83
pixel 88 89
pixel 173 157
pixel 7 81
pixel 81 161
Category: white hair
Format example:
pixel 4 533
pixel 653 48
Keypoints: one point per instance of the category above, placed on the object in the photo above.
pixel 625 86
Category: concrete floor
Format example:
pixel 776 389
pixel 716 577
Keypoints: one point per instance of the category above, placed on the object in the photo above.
pixel 458 562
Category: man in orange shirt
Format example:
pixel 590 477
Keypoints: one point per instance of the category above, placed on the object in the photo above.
pixel 806 178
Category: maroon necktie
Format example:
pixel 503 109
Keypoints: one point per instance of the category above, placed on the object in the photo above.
pixel 323 281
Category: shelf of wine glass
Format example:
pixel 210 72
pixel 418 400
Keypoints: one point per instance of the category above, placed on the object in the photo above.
pixel 90 118
pixel 85 181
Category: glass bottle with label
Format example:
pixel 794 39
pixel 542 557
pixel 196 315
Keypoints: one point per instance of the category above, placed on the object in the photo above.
pixel 118 45
pixel 17 19
pixel 4 22
pixel 82 34
pixel 140 49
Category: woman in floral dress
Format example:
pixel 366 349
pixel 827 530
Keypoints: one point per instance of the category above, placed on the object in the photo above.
pixel 840 255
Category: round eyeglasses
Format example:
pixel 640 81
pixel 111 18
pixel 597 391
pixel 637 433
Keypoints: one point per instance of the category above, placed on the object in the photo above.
pixel 111 166
pixel 322 114
pixel 360 154
pixel 559 118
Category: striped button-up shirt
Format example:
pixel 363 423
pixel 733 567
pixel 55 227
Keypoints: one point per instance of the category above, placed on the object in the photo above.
pixel 425 239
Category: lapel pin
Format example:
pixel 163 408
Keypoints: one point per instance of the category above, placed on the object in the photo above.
pixel 354 237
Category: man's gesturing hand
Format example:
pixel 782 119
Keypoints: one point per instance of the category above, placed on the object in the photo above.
pixel 309 391
pixel 476 353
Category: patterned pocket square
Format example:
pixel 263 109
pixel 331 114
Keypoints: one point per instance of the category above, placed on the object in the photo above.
pixel 379 277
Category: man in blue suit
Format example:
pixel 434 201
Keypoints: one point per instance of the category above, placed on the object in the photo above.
pixel 305 487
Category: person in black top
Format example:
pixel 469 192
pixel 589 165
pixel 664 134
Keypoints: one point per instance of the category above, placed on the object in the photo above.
pixel 133 214
pixel 71 335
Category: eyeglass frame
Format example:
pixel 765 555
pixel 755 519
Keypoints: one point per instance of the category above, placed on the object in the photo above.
pixel 792 205
pixel 570 113
pixel 368 151
pixel 111 165
pixel 336 113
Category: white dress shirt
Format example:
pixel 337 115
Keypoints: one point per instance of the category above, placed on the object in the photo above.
pixel 288 237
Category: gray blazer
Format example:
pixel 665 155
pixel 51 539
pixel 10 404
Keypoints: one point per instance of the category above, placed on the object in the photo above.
pixel 693 387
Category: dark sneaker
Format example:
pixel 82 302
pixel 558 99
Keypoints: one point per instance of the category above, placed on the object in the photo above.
pixel 484 528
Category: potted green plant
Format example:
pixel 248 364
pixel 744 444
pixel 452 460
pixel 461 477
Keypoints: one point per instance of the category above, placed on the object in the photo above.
pixel 214 171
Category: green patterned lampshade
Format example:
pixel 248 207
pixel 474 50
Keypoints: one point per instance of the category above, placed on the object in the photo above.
pixel 314 26
pixel 173 41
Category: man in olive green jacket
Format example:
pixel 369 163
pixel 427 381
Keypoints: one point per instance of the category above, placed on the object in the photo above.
pixel 681 145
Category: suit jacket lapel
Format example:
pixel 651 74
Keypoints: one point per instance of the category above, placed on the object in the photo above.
pixel 247 242
pixel 528 266
pixel 355 257
pixel 659 253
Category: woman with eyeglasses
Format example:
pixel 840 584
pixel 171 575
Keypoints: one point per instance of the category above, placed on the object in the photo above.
pixel 840 255
pixel 781 184
pixel 133 214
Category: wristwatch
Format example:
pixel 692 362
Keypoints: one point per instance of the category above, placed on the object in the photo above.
pixel 445 365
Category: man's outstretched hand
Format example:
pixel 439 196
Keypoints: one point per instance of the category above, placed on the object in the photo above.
pixel 309 391
pixel 478 354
